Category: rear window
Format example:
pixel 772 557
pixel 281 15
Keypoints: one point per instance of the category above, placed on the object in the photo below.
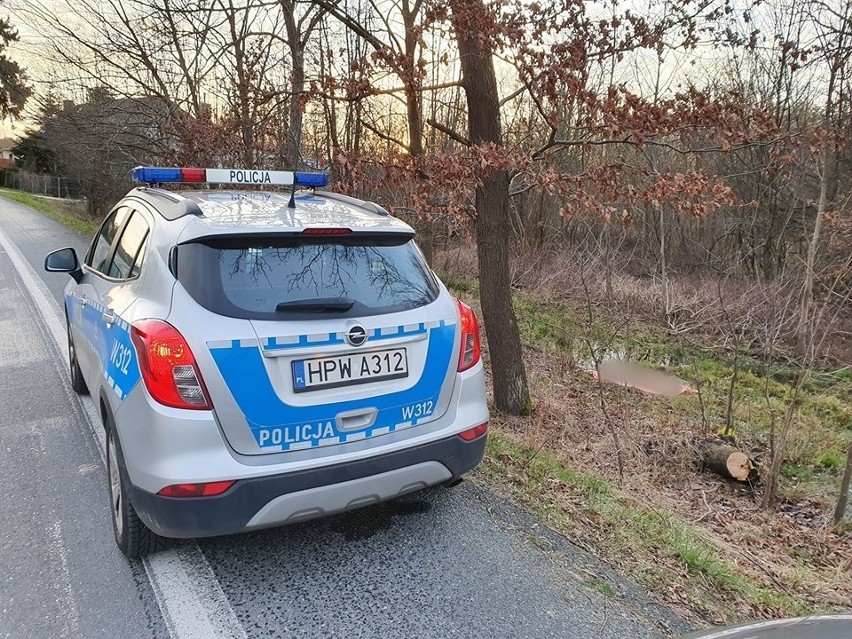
pixel 289 278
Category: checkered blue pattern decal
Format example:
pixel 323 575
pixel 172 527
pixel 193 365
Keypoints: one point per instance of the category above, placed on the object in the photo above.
pixel 331 339
pixel 278 426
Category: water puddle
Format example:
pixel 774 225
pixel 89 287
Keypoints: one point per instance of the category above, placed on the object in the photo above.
pixel 632 368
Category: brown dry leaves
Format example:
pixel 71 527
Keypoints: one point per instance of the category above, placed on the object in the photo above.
pixel 791 551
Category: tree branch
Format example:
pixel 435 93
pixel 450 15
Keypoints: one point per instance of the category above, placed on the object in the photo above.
pixel 383 135
pixel 657 143
pixel 458 137
pixel 514 95
pixel 350 23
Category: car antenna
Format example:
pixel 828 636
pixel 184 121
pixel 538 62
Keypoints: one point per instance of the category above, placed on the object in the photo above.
pixel 292 203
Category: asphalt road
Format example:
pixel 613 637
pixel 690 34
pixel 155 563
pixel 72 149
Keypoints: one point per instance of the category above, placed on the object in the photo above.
pixel 836 626
pixel 441 563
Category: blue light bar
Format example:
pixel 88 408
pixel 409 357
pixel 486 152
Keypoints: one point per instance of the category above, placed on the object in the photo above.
pixel 311 180
pixel 156 174
pixel 259 177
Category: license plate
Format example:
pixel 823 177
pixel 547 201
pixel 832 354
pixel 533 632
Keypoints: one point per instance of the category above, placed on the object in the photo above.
pixel 345 370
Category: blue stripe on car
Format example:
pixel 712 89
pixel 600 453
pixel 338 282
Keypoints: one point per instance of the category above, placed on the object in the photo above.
pixel 116 353
pixel 277 425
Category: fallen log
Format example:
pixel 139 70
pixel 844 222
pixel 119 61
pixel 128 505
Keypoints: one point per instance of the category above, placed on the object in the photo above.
pixel 728 461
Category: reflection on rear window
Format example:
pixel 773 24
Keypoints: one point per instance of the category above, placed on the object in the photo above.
pixel 254 280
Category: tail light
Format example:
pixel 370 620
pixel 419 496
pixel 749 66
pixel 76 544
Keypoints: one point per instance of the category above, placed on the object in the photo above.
pixel 470 348
pixel 472 433
pixel 210 489
pixel 168 366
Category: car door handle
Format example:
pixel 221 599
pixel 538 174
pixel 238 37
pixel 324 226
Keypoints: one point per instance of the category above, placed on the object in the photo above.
pixel 108 316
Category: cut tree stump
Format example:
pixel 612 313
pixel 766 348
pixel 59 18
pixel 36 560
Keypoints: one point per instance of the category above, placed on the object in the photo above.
pixel 728 461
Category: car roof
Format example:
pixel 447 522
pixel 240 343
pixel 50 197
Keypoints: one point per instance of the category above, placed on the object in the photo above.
pixel 228 211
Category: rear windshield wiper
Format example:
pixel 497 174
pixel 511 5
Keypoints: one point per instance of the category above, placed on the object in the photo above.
pixel 319 305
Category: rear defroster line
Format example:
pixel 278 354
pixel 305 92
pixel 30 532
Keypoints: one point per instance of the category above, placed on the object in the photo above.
pixel 190 597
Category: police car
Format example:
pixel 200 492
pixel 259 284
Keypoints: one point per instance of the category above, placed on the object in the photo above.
pixel 262 358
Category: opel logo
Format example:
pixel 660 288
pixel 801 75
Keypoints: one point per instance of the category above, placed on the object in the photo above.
pixel 356 335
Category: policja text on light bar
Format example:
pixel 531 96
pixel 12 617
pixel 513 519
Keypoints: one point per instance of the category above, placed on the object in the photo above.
pixel 160 175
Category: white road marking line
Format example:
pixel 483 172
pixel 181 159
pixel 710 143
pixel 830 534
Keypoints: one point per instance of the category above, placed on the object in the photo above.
pixel 189 595
pixel 186 575
pixel 753 628
pixel 72 616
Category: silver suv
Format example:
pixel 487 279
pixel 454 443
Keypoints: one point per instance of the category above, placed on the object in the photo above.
pixel 261 358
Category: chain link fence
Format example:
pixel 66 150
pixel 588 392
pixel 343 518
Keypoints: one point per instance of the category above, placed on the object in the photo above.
pixel 39 184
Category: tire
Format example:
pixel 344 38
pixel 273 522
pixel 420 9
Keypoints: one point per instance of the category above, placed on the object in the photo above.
pixel 78 384
pixel 134 538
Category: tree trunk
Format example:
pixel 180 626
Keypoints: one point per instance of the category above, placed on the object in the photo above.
pixel 727 461
pixel 840 511
pixel 412 82
pixel 805 328
pixel 779 448
pixel 511 393
pixel 293 148
pixel 242 103
pixel 293 143
pixel 664 271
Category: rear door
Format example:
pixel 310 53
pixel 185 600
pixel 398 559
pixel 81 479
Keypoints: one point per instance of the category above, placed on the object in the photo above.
pixel 83 304
pixel 113 291
pixel 351 338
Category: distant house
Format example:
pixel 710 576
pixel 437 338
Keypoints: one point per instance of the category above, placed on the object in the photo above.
pixel 6 157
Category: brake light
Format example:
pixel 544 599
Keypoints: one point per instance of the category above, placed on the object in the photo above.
pixel 168 366
pixel 470 348
pixel 473 433
pixel 327 231
pixel 210 489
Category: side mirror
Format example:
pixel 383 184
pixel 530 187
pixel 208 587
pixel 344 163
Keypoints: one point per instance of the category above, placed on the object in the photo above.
pixel 63 261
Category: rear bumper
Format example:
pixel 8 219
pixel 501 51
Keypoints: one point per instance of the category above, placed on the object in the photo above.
pixel 261 502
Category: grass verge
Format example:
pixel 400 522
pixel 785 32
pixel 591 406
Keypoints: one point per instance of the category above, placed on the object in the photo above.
pixel 653 545
pixel 698 543
pixel 53 209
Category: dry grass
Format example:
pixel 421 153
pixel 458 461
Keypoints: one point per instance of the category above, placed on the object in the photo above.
pixel 699 543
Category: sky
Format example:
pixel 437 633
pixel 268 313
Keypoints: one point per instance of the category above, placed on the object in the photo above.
pixel 677 71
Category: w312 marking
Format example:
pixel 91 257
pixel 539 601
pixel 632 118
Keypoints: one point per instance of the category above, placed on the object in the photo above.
pixel 121 356
pixel 416 411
